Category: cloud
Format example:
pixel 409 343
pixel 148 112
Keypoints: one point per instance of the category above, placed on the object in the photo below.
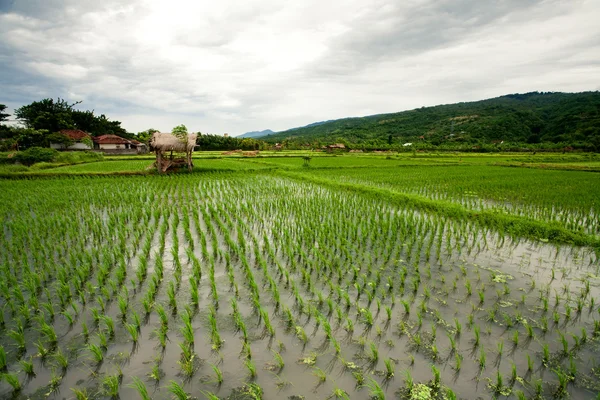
pixel 239 66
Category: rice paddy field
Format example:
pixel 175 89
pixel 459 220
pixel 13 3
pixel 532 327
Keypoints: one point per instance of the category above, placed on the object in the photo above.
pixel 287 278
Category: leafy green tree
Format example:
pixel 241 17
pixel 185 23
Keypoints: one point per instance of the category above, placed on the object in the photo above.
pixel 60 139
pixel 35 154
pixel 28 137
pixel 47 114
pixel 145 136
pixel 180 131
pixel 3 116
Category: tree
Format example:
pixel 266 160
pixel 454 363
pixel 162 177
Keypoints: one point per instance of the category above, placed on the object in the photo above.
pixel 180 131
pixel 145 136
pixel 47 114
pixel 3 115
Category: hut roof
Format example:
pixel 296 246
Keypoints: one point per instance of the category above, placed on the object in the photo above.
pixel 74 134
pixel 110 139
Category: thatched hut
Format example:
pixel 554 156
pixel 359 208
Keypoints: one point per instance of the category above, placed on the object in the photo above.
pixel 167 142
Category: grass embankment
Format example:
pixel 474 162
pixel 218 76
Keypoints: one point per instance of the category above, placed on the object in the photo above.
pixel 504 223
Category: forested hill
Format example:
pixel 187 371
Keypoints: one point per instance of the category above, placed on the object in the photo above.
pixel 523 118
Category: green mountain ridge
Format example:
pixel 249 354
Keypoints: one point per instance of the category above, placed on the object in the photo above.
pixel 535 117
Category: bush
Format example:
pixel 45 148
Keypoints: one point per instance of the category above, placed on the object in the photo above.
pixel 35 154
pixel 76 157
pixel 42 165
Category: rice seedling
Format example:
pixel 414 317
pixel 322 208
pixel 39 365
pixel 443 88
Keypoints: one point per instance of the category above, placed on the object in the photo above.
pixel 320 374
pixel 178 391
pixel 109 324
pixel 27 366
pixel 545 354
pixel 482 359
pixel 375 390
pixel 515 338
pixel 389 368
pixel 218 374
pixel 61 359
pixel 80 394
pixel 458 358
pixel 476 333
pixel 374 355
pixel 3 362
pixel 111 385
pixel 13 381
pixel 251 368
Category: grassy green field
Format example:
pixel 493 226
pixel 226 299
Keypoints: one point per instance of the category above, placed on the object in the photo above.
pixel 357 276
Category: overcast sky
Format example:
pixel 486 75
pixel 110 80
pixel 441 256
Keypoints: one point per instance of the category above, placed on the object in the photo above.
pixel 236 66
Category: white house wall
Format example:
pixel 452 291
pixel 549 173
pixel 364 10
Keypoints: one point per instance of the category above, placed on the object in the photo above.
pixel 75 146
pixel 111 146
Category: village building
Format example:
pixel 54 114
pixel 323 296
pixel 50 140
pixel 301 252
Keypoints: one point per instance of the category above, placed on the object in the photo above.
pixel 81 140
pixel 111 142
pixel 335 147
pixel 114 144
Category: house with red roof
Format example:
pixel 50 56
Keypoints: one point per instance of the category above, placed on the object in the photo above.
pixel 116 144
pixel 80 140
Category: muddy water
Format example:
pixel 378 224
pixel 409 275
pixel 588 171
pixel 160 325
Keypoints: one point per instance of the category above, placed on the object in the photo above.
pixel 511 276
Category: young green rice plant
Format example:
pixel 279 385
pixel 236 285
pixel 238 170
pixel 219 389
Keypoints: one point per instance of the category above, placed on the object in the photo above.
pixel 545 354
pixel 42 350
pixel 161 335
pixel 251 368
pixel 171 295
pixel 80 394
pixel 406 306
pixel 178 391
pixel 96 352
pixel 162 314
pixel 458 358
pixel 389 368
pixel 565 344
pixel 123 302
pixel 187 330
pixel 61 359
pixel 301 334
pixel 349 326
pixel 278 360
pixel 563 381
pixel 218 374
pixel 111 385
pixel 482 359
pixel 3 363
pixel 515 338
pixel 374 356
pixel 452 340
pixel 27 366
pixel 133 332
pixel 13 381
pixel 476 333
pixel 513 373
pixel 468 287
pixel 375 390
pixel 457 327
pixel 110 325
pixel 246 350
pixel 320 374
pixel 529 363
pixel 18 336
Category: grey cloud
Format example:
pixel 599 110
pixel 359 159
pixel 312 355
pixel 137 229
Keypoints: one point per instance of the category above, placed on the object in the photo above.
pixel 212 70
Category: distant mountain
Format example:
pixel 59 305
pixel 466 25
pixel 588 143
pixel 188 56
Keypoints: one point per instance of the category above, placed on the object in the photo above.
pixel 256 134
pixel 526 118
